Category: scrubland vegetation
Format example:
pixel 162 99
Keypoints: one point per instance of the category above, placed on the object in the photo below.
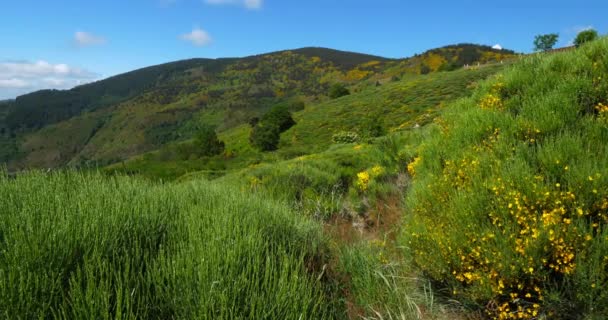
pixel 472 194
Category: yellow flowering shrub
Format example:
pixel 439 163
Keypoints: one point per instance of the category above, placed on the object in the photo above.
pixel 491 101
pixel 377 171
pixel 363 179
pixel 509 206
pixel 411 167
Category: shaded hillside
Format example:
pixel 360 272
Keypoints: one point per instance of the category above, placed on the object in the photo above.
pixel 130 114
pixel 38 109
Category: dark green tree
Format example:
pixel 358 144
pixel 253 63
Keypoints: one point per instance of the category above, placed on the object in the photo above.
pixel 585 36
pixel 265 137
pixel 279 116
pixel 372 127
pixel 207 142
pixel 545 42
pixel 424 69
pixel 266 134
pixel 338 90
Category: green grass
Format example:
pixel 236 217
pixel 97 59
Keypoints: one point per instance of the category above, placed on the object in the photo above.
pixel 86 246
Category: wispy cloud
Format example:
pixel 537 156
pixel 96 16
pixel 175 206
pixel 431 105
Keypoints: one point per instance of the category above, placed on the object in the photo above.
pixel 197 37
pixel 19 77
pixel 86 39
pixel 249 4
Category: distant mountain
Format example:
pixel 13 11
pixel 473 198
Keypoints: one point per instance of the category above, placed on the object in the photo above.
pixel 139 111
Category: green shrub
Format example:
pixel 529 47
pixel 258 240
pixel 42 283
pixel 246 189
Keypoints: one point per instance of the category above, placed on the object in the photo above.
pixel 509 202
pixel 338 90
pixel 265 137
pixel 585 36
pixel 345 137
pixel 372 127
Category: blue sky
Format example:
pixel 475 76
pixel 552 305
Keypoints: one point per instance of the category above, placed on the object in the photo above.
pixel 58 44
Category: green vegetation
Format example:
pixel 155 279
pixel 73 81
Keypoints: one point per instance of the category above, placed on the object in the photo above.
pixel 206 139
pixel 545 42
pixel 266 133
pixel 508 203
pixel 87 246
pixel 149 109
pixel 338 90
pixel 394 106
pixel 473 193
pixel 585 36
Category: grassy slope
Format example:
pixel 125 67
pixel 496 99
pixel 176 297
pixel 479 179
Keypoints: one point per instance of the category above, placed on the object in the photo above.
pixel 398 105
pixel 509 203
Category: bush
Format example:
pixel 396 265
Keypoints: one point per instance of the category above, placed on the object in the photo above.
pixel 372 127
pixel 345 137
pixel 338 90
pixel 265 137
pixel 585 36
pixel 509 202
pixel 207 142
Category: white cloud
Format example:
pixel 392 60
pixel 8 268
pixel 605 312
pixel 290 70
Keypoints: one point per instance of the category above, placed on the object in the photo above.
pixel 497 47
pixel 19 77
pixel 249 4
pixel 197 37
pixel 86 39
pixel 13 83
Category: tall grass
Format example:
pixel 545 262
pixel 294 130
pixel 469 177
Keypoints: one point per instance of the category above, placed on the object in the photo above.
pixel 84 246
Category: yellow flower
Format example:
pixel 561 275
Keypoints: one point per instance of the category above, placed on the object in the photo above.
pixel 377 170
pixel 411 168
pixel 363 180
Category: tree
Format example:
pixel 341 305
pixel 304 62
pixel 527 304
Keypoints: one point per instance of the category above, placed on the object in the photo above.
pixel 338 90
pixel 207 142
pixel 372 127
pixel 424 69
pixel 545 42
pixel 266 133
pixel 265 137
pixel 279 116
pixel 585 36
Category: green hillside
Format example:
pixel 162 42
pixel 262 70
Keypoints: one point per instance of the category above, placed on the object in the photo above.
pixel 477 193
pixel 127 115
pixel 395 106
